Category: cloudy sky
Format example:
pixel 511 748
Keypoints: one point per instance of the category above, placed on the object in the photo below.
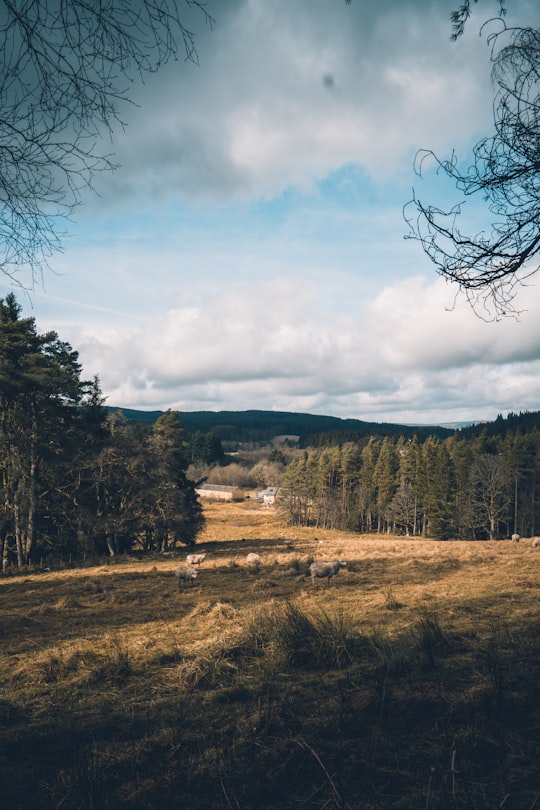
pixel 249 252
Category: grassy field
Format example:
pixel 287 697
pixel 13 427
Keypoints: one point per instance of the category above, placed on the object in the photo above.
pixel 411 681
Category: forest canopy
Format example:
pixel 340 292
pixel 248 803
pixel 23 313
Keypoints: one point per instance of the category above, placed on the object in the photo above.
pixel 480 486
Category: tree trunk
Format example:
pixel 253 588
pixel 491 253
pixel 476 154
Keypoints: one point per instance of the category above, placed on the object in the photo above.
pixel 3 546
pixel 32 492
pixel 18 536
pixel 111 545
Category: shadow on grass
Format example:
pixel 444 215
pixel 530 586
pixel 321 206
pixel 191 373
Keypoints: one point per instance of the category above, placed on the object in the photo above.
pixel 295 710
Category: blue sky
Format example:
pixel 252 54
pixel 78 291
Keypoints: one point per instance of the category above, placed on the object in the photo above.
pixel 249 251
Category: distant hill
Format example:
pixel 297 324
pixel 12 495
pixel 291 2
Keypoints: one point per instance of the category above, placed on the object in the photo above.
pixel 524 422
pixel 134 415
pixel 311 429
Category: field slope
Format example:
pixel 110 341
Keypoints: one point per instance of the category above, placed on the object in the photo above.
pixel 409 681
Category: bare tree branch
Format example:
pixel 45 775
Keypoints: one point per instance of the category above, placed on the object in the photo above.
pixel 67 68
pixel 506 173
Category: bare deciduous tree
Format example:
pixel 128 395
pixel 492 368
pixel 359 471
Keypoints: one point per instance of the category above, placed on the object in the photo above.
pixel 67 67
pixel 491 495
pixel 505 173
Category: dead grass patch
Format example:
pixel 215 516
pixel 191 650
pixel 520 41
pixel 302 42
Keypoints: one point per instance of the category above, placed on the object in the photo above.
pixel 411 680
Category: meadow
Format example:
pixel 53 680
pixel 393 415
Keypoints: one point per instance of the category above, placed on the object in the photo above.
pixel 412 680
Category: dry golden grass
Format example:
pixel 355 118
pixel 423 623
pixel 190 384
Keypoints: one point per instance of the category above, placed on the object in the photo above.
pixel 119 689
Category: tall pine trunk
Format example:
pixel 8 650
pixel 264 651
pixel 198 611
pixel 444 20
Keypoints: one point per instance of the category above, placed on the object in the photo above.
pixel 3 546
pixel 19 543
pixel 32 490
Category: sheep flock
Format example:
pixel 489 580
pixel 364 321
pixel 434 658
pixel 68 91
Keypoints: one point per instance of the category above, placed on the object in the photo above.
pixel 318 570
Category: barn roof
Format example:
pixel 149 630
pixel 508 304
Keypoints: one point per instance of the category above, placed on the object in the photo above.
pixel 217 488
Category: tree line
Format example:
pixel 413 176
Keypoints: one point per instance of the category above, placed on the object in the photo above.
pixel 76 479
pixel 484 487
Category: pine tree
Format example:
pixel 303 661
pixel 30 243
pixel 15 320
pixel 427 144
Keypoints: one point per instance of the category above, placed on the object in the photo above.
pixel 328 488
pixel 40 389
pixel 172 511
pixel 438 487
pixel 462 454
pixel 385 481
pixel 297 491
pixel 368 492
pixel 351 461
pixel 120 486
pixel 409 454
pixel 521 455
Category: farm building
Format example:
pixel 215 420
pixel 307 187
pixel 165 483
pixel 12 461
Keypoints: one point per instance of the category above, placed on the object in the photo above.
pixel 220 492
pixel 268 495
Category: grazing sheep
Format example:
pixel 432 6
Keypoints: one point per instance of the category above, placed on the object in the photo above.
pixel 187 574
pixel 536 542
pixel 516 538
pixel 254 560
pixel 325 569
pixel 195 559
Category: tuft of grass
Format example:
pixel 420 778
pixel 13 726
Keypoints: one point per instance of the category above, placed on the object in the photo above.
pixel 492 653
pixel 390 599
pixel 301 639
pixel 214 610
pixel 110 665
pixel 211 670
pixel 295 565
pixel 429 637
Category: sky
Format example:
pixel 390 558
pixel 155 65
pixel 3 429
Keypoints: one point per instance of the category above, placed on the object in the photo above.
pixel 250 252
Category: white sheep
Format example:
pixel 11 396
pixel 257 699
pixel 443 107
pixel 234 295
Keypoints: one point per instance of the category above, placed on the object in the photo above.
pixel 325 569
pixel 536 542
pixel 254 560
pixel 187 574
pixel 195 559
pixel 516 538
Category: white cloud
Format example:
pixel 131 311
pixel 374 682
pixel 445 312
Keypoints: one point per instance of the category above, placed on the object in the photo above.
pixel 428 324
pixel 272 344
pixel 286 94
pixel 268 298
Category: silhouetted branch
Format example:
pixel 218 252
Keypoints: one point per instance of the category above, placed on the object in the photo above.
pixel 68 65
pixel 506 173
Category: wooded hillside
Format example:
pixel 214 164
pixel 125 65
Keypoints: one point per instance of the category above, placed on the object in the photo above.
pixel 311 429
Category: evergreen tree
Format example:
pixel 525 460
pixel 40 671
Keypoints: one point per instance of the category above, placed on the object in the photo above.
pixel 408 502
pixel 385 481
pixel 172 511
pixel 120 487
pixel 296 497
pixel 351 461
pixel 368 491
pixel 521 455
pixel 328 488
pixel 461 454
pixel 204 448
pixel 437 490
pixel 40 389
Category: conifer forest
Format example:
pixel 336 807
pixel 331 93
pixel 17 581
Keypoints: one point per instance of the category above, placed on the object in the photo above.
pixel 464 487
pixel 77 480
